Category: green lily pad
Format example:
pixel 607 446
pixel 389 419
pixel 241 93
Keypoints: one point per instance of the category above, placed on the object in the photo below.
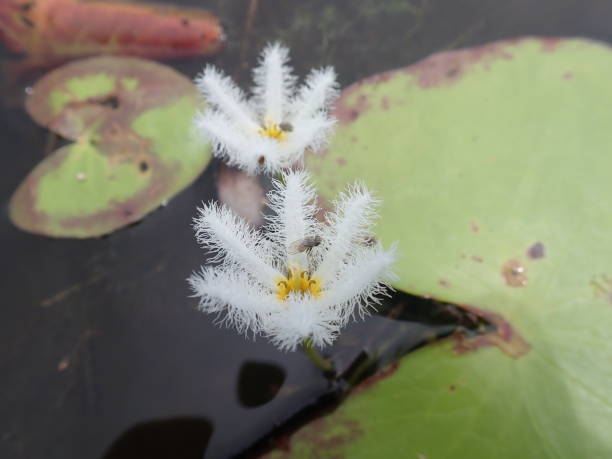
pixel 131 120
pixel 493 164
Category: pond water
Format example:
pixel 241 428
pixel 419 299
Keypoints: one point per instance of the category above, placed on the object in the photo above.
pixel 102 352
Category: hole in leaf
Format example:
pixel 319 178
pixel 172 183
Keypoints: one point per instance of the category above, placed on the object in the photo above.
pixel 259 382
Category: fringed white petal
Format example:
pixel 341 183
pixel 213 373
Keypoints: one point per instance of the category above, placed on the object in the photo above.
pixel 294 206
pixel 300 319
pixel 346 228
pixel 310 134
pixel 274 83
pixel 222 94
pixel 234 242
pixel 316 95
pixel 231 144
pixel 234 297
pixel 360 282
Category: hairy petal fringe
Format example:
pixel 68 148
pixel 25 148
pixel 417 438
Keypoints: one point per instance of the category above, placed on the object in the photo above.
pixel 273 83
pixel 236 299
pixel 316 95
pixel 346 227
pixel 223 95
pixel 288 328
pixel 233 241
pixel 294 205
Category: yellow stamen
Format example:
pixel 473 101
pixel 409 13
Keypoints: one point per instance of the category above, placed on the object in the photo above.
pixel 273 131
pixel 282 289
pixel 297 280
pixel 314 287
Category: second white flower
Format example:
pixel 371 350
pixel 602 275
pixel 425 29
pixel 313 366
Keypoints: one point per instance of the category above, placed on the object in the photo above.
pixel 274 128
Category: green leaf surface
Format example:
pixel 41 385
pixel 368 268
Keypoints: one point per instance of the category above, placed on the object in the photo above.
pixel 134 146
pixel 493 164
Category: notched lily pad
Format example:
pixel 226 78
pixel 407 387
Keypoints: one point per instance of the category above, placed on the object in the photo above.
pixel 493 165
pixel 131 120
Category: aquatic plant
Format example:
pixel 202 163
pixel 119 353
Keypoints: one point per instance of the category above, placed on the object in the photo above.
pixel 273 128
pixel 298 279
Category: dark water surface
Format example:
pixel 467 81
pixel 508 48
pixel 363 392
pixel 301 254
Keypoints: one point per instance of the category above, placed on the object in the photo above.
pixel 101 351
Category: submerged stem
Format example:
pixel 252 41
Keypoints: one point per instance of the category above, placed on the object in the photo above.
pixel 316 358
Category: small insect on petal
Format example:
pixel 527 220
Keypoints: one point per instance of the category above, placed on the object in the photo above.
pixel 305 244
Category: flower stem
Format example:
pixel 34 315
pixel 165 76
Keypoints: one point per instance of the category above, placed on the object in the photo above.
pixel 316 358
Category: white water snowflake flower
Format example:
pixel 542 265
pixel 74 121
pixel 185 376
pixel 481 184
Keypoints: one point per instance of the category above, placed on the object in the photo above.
pixel 272 129
pixel 297 278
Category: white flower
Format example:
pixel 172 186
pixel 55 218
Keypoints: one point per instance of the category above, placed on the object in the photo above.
pixel 298 278
pixel 273 129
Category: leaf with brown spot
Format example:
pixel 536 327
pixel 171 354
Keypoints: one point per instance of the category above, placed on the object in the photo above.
pixel 134 148
pixel 508 141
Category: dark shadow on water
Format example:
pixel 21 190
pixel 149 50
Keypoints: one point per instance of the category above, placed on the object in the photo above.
pixel 180 438
pixel 259 383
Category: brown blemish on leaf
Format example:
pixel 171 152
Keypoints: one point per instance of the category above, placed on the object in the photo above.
pixel 325 435
pixel 514 273
pixel 477 259
pixel 347 112
pixel 568 75
pixel 448 67
pixel 346 109
pixel 550 44
pixel 157 85
pixel 242 193
pixel 341 161
pixel 444 283
pixel 452 388
pixel 375 379
pixel 474 227
pixel 384 103
pixel 505 337
pixel 536 251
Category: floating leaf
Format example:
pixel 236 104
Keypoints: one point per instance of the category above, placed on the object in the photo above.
pixel 131 120
pixel 52 31
pixel 494 167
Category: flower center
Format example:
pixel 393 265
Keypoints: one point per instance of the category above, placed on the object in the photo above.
pixel 274 131
pixel 297 280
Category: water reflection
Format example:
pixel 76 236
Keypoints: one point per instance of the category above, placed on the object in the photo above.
pixel 184 438
pixel 259 383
